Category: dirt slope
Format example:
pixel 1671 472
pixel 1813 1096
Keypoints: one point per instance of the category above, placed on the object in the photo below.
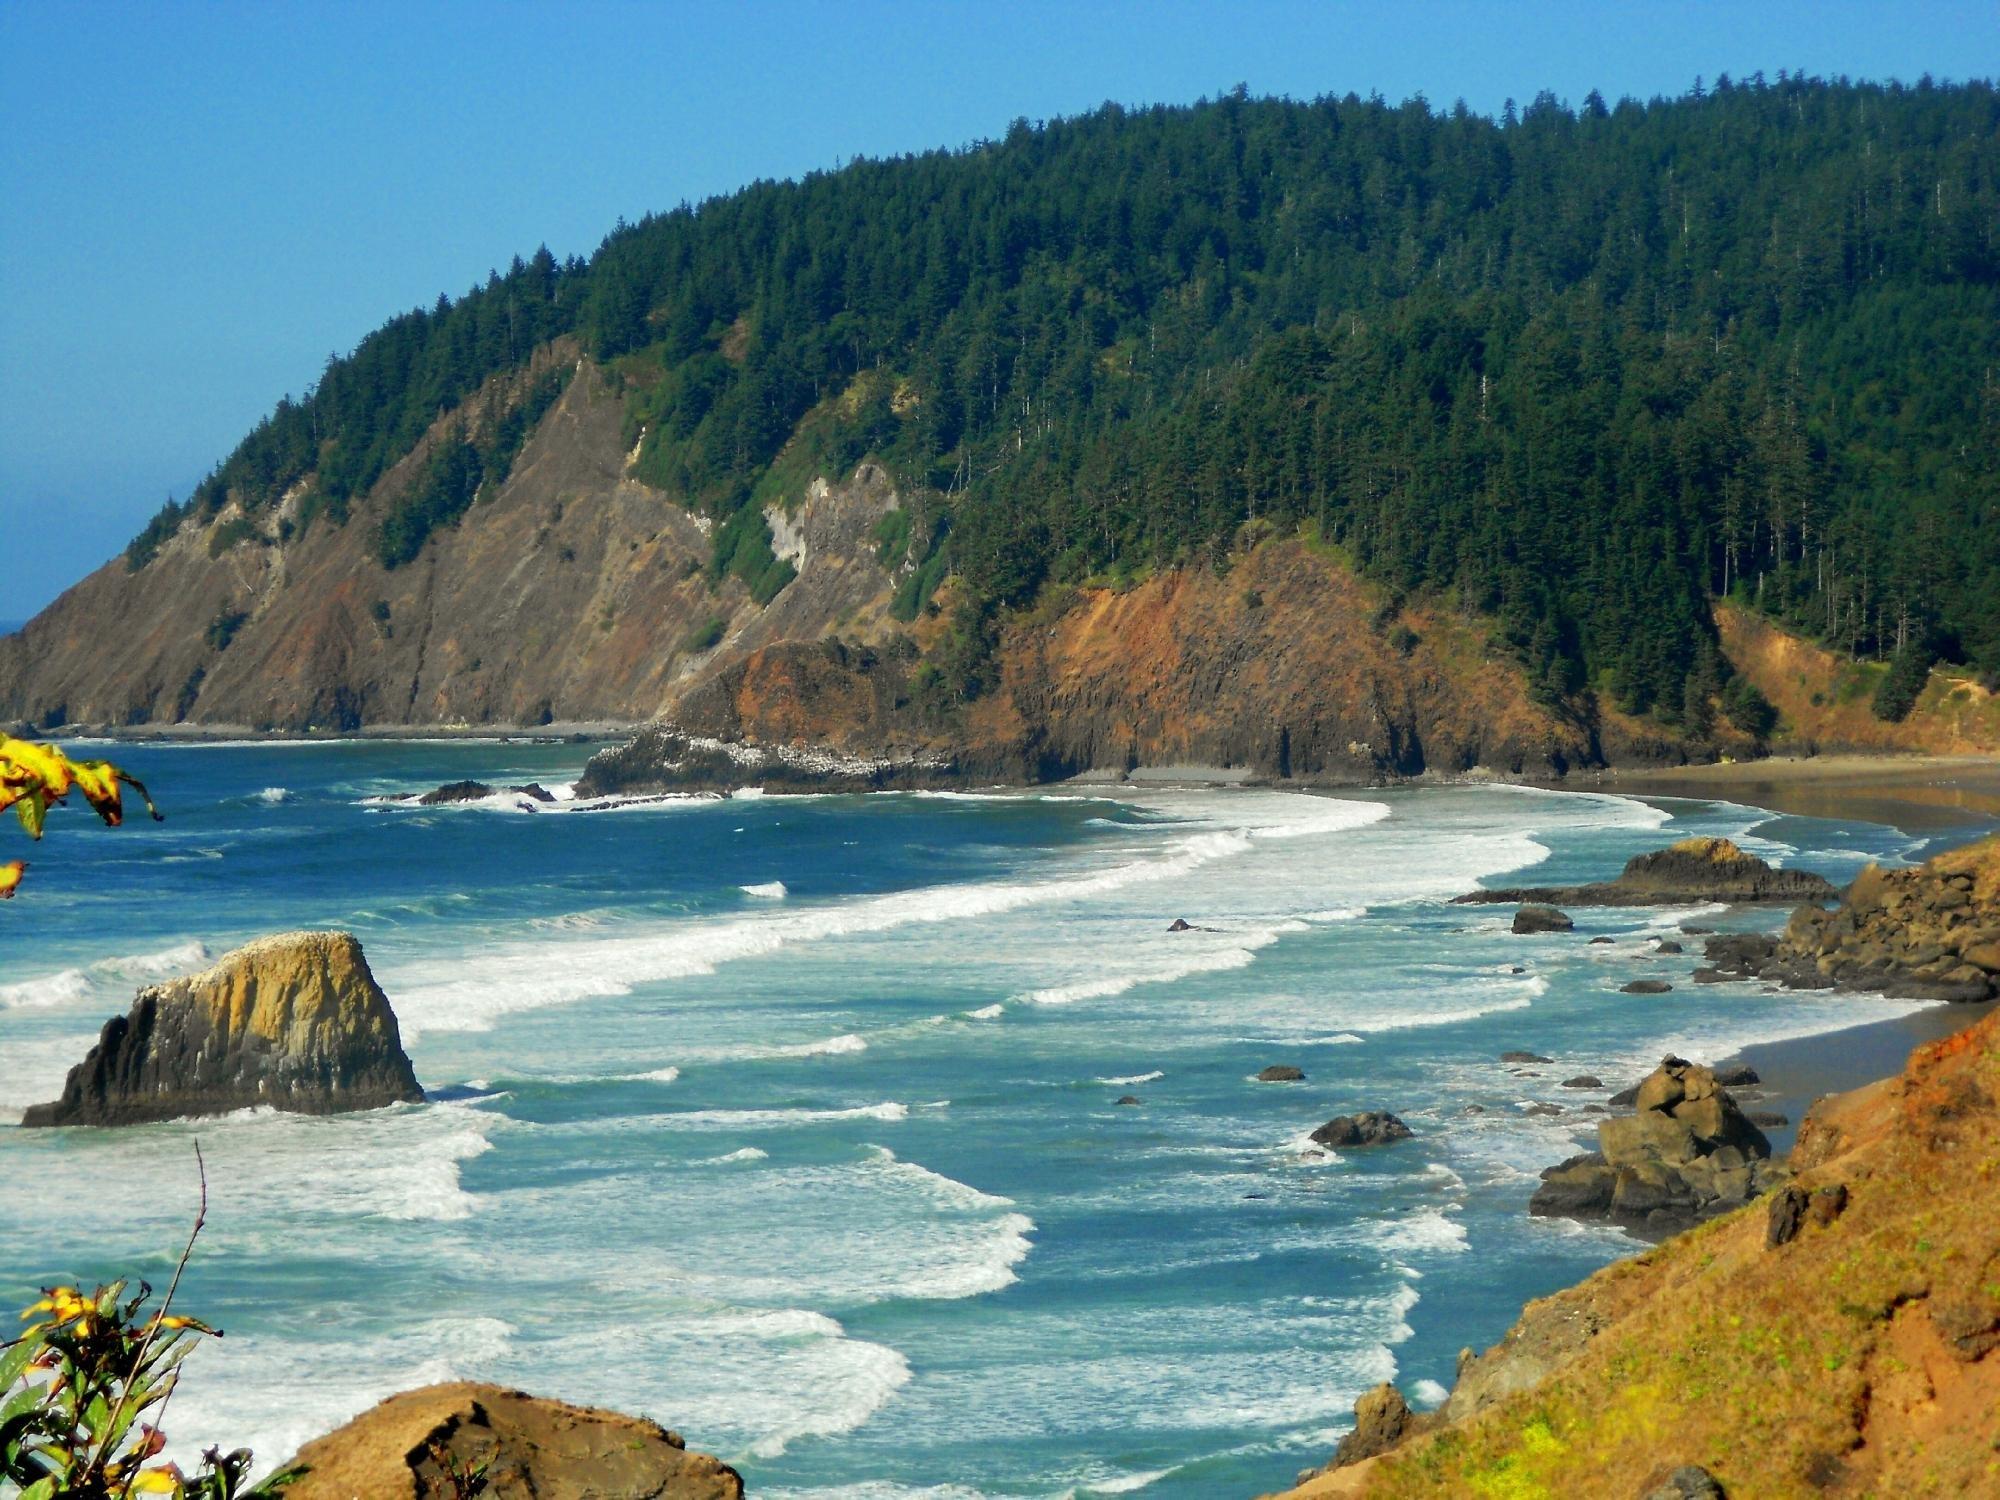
pixel 1824 698
pixel 1860 1356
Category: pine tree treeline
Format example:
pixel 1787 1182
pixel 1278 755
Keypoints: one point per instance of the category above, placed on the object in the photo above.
pixel 1588 368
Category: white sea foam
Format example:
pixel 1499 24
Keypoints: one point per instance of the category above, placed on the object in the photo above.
pixel 273 795
pixel 1415 1019
pixel 985 1013
pixel 1428 1230
pixel 53 989
pixel 658 1075
pixel 80 983
pixel 1429 1394
pixel 1119 1083
pixel 770 890
pixel 468 992
pixel 774 1119
pixel 873 1375
pixel 745 1153
pixel 845 1045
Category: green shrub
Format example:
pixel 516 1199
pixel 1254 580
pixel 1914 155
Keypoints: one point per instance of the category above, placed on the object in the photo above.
pixel 229 533
pixel 1748 709
pixel 707 635
pixel 222 629
pixel 1909 671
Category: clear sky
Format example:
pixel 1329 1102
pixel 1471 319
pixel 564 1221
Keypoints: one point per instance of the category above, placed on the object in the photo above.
pixel 199 202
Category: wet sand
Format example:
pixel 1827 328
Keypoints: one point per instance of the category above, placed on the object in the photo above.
pixel 1920 794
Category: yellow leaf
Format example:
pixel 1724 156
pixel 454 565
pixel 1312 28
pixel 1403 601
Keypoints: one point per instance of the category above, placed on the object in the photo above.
pixel 10 877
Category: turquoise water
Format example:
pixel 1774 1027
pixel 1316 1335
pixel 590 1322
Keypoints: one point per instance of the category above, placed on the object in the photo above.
pixel 792 1122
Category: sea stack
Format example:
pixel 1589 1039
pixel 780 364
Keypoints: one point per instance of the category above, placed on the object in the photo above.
pixel 295 1022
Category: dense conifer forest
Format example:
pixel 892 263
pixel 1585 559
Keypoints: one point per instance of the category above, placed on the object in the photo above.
pixel 1586 368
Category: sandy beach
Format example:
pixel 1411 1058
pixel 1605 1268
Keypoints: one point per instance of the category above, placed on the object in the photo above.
pixel 1917 793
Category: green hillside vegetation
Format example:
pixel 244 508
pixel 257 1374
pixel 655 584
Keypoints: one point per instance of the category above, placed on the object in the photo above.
pixel 1583 368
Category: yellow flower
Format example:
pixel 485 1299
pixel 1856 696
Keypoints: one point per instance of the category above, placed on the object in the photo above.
pixel 161 1481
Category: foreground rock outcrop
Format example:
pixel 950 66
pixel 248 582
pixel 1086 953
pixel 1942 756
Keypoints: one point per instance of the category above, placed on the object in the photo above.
pixel 295 1022
pixel 1686 1154
pixel 528 1448
pixel 1691 872
pixel 1853 1351
pixel 1927 933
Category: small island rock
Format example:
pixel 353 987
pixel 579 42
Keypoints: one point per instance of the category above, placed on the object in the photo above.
pixel 1541 919
pixel 1373 1127
pixel 1281 1073
pixel 295 1022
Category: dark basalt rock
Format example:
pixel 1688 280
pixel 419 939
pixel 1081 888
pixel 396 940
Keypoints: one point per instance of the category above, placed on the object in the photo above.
pixel 1372 1127
pixel 1687 1154
pixel 1543 1109
pixel 1767 1119
pixel 1583 1081
pixel 1645 987
pixel 1381 1420
pixel 1929 933
pixel 295 1022
pixel 662 758
pixel 1736 1075
pixel 1600 942
pixel 1524 1057
pixel 1127 1099
pixel 1786 1216
pixel 1693 870
pixel 456 791
pixel 1180 924
pixel 1688 1482
pixel 1281 1073
pixel 1541 919
pixel 1667 945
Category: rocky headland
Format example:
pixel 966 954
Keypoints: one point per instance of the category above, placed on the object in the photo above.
pixel 1692 872
pixel 1840 1335
pixel 293 1022
pixel 422 1445
pixel 1927 933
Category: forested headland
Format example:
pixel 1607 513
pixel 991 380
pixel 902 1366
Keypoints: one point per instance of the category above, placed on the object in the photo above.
pixel 1582 369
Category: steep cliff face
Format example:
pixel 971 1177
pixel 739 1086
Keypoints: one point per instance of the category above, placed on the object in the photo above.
pixel 1841 1336
pixel 1288 665
pixel 419 1446
pixel 574 593
pixel 294 1022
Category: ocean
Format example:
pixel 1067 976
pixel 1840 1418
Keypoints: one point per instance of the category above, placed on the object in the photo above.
pixel 793 1122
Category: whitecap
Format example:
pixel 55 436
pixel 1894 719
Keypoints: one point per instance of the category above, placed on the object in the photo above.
pixel 770 890
pixel 985 1013
pixel 1429 1394
pixel 273 795
pixel 1119 1083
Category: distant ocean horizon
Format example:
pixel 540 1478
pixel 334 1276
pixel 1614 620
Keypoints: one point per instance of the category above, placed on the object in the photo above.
pixel 795 1123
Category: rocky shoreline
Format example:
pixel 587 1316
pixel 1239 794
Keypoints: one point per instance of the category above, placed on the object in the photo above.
pixel 1775 1227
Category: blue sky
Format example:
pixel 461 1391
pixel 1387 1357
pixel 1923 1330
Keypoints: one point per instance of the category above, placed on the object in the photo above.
pixel 201 201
